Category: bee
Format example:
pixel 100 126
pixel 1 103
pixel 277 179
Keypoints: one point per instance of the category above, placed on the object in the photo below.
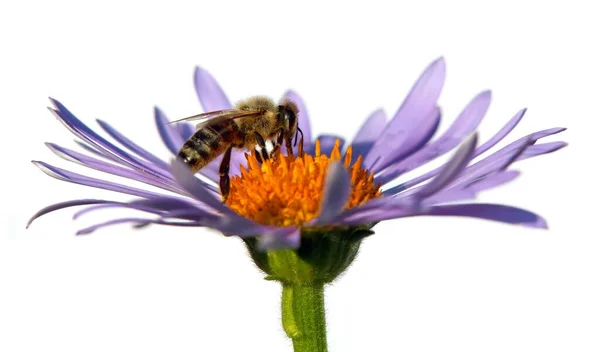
pixel 246 126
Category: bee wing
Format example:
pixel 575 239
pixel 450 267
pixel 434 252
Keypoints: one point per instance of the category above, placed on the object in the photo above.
pixel 217 116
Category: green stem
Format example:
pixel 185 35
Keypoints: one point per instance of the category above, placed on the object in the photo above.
pixel 303 316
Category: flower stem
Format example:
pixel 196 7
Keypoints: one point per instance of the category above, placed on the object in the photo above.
pixel 303 316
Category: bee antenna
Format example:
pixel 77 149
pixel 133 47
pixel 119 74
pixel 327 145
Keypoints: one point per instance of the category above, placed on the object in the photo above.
pixel 296 138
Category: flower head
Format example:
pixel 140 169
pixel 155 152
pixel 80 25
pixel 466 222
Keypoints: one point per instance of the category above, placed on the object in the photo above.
pixel 287 191
pixel 280 201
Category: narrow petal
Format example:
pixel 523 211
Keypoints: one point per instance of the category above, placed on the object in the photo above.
pixel 498 161
pixel 377 214
pixel 101 144
pixel 451 169
pixel 282 238
pixel 240 226
pixel 91 150
pixel 62 205
pixel 543 148
pixel 369 132
pixel 65 175
pixel 464 125
pixel 138 222
pixel 419 104
pixel 113 205
pixel 196 188
pixel 495 212
pixel 468 191
pixel 209 92
pixel 132 146
pixel 303 117
pixel 480 150
pixel 109 168
pixel 185 130
pixel 450 195
pixel 493 163
pixel 494 180
pixel 504 131
pixel 413 141
pixel 165 206
pixel 335 194
pixel 170 136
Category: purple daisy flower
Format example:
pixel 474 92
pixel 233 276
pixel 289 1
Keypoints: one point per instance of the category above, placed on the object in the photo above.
pixel 387 149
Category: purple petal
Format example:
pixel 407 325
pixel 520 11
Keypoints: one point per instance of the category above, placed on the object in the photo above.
pixel 113 169
pixel 464 125
pixel 376 214
pixel 65 175
pixel 414 119
pixel 170 136
pixel 451 169
pixel 413 141
pixel 335 194
pixel 504 131
pixel 138 222
pixel 450 195
pixel 91 150
pixel 102 145
pixel 468 190
pixel 494 180
pixel 240 226
pixel 194 186
pixel 371 129
pixel 186 130
pixel 493 212
pixel 62 205
pixel 209 92
pixel 157 206
pixel 543 148
pixel 132 146
pixel 493 163
pixel 288 237
pixel 479 151
pixel 303 117
pixel 231 221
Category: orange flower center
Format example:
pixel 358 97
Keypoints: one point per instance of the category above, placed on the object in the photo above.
pixel 288 190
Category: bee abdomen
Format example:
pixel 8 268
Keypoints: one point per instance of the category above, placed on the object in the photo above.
pixel 203 147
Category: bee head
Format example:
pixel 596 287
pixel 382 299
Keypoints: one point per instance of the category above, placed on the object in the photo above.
pixel 288 118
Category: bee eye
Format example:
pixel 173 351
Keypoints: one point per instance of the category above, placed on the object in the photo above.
pixel 291 117
pixel 288 116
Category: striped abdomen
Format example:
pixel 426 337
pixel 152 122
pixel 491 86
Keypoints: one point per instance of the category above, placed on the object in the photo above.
pixel 206 144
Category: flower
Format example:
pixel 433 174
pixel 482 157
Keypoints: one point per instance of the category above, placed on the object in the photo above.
pixel 280 201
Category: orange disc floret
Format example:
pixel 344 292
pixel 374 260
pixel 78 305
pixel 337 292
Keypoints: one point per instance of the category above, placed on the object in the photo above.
pixel 287 190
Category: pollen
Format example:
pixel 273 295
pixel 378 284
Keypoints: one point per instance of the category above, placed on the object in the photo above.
pixel 288 190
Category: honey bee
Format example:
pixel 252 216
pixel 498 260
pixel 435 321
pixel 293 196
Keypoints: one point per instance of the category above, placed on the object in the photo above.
pixel 246 126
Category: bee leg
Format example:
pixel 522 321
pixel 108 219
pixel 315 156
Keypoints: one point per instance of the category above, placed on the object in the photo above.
pixel 278 143
pixel 288 146
pixel 301 145
pixel 258 156
pixel 262 145
pixel 224 173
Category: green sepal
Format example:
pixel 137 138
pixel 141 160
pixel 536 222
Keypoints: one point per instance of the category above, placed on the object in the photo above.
pixel 322 256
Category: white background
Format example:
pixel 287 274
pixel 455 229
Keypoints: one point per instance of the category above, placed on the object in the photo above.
pixel 423 284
